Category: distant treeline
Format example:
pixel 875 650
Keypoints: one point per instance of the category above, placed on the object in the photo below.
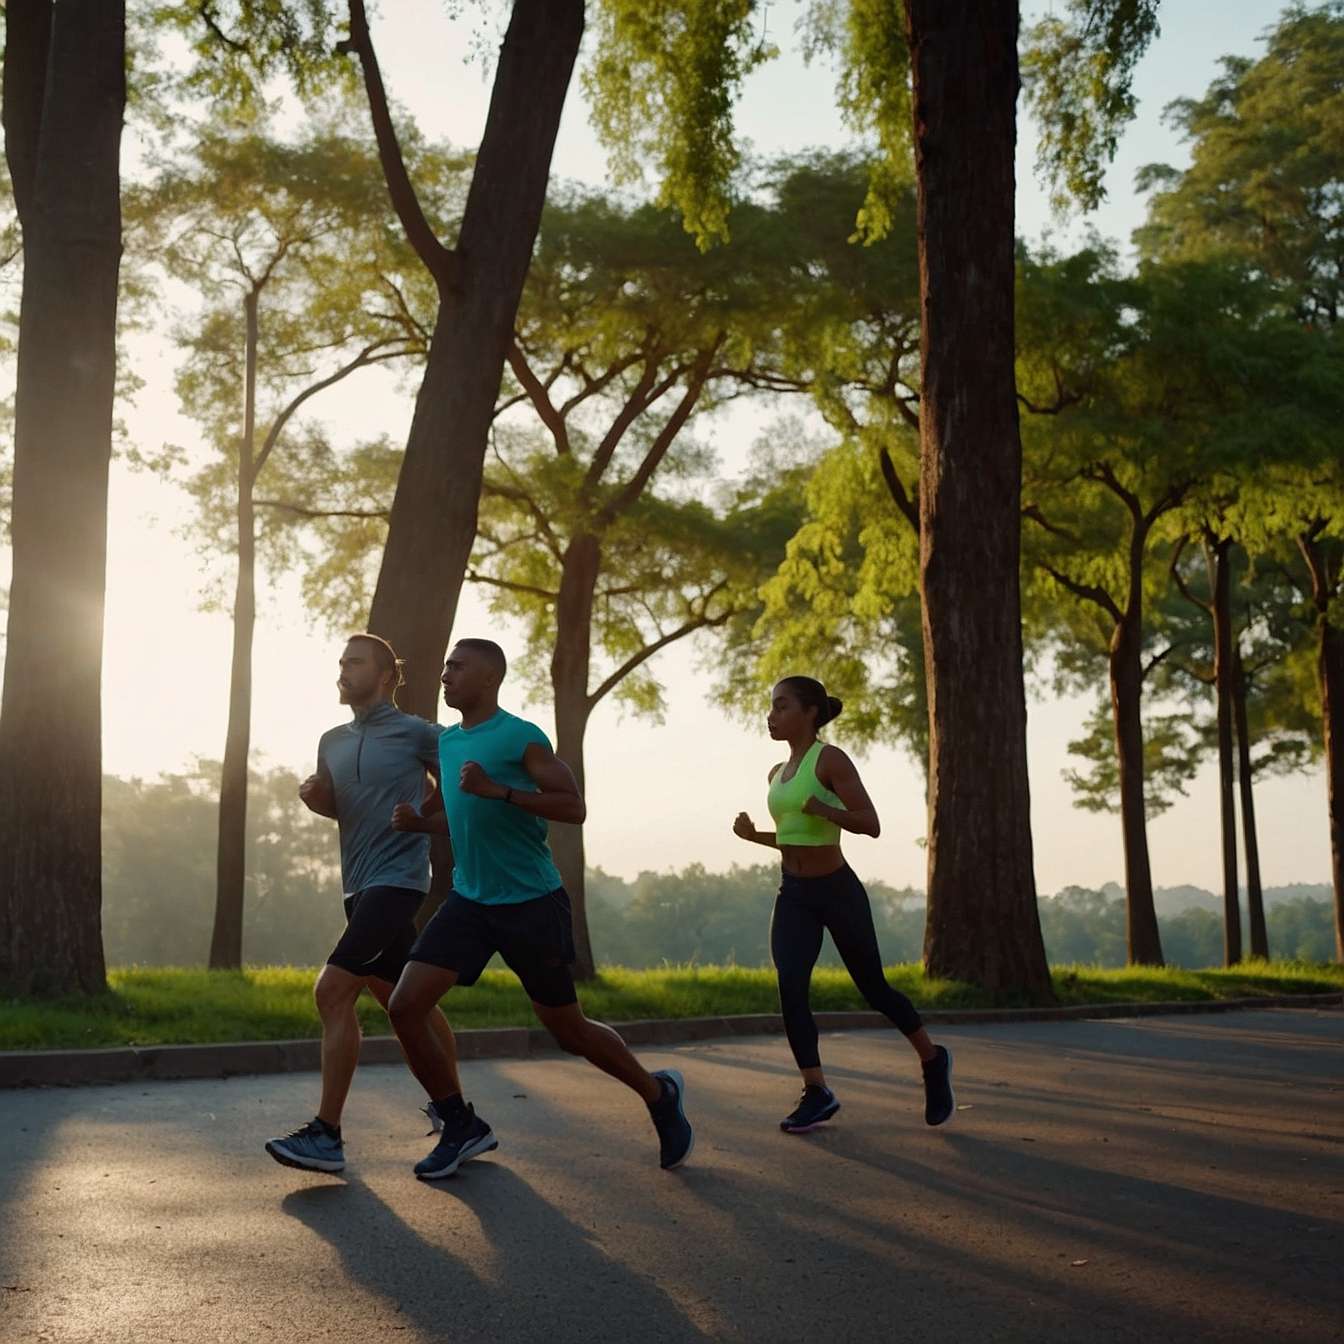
pixel 159 871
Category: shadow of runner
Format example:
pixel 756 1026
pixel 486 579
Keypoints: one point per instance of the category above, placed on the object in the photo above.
pixel 522 1271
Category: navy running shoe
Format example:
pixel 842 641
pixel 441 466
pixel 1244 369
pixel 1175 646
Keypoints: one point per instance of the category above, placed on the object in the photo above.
pixel 814 1109
pixel 939 1103
pixel 460 1141
pixel 312 1148
pixel 676 1138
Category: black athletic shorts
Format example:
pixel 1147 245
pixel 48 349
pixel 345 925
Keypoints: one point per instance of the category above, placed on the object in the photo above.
pixel 379 932
pixel 535 938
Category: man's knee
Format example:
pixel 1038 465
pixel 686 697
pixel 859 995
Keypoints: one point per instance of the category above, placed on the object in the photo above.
pixel 404 1008
pixel 336 991
pixel 571 1032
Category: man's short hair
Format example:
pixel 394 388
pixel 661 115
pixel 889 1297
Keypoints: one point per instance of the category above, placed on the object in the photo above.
pixel 489 649
pixel 384 655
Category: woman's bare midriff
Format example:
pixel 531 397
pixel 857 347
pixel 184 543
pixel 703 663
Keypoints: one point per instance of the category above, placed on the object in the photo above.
pixel 811 860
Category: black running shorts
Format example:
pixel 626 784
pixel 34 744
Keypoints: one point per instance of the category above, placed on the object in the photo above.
pixel 535 938
pixel 379 932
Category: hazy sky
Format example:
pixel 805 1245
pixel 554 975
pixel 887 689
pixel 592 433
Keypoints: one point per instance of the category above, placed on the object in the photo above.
pixel 659 796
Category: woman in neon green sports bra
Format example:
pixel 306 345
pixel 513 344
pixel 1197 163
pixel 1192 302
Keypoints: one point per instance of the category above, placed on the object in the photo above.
pixel 814 796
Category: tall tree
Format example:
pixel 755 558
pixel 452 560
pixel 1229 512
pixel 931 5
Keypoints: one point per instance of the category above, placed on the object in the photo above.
pixel 845 601
pixel 64 95
pixel 594 534
pixel 478 278
pixel 1275 726
pixel 1201 383
pixel 1264 184
pixel 941 78
pixel 302 284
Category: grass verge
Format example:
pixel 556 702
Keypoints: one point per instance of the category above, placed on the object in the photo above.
pixel 171 1006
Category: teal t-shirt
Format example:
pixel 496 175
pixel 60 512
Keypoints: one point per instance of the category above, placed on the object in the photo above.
pixel 500 852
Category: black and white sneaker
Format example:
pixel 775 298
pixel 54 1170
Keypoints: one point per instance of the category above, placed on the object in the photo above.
pixel 460 1141
pixel 814 1109
pixel 676 1138
pixel 939 1103
pixel 313 1147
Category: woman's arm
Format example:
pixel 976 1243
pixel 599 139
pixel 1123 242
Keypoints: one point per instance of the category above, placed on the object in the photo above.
pixel 744 828
pixel 836 772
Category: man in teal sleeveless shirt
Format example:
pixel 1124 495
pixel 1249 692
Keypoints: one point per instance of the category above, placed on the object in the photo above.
pixel 500 783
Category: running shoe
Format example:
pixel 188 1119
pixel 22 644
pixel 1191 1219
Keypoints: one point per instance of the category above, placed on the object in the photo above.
pixel 676 1138
pixel 313 1148
pixel 815 1108
pixel 460 1141
pixel 939 1103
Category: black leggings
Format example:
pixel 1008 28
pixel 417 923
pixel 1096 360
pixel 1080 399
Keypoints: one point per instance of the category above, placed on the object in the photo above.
pixel 804 909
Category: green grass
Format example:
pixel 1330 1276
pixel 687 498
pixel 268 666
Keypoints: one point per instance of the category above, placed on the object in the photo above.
pixel 165 1006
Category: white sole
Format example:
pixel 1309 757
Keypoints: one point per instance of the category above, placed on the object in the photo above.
pixel 487 1143
pixel 287 1159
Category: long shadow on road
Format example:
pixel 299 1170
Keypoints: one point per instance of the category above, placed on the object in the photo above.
pixel 539 1279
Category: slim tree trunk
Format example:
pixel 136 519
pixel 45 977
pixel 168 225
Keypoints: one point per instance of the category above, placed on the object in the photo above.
pixel 226 942
pixel 63 149
pixel 1255 900
pixel 1217 553
pixel 433 520
pixel 1143 941
pixel 1332 698
pixel 983 925
pixel 1330 669
pixel 570 666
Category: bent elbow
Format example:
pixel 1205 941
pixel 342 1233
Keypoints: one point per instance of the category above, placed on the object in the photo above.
pixel 875 829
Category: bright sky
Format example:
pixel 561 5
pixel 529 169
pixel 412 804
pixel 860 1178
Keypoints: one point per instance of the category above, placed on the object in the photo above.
pixel 659 795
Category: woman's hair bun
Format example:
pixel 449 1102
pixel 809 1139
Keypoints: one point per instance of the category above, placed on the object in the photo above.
pixel 812 695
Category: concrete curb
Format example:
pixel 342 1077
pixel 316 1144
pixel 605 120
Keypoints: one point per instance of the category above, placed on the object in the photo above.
pixel 159 1063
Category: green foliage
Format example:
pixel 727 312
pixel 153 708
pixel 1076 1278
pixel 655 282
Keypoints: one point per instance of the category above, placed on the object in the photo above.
pixel 843 605
pixel 666 76
pixel 1267 165
pixel 238 46
pixel 702 918
pixel 598 522
pixel 1087 928
pixel 1171 756
pixel 159 870
pixel 866 40
pixel 1272 634
pixel 662 87
pixel 304 226
pixel 1077 71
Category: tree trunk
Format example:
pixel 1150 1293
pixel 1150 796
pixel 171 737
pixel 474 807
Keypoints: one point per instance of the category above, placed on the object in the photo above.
pixel 983 926
pixel 1332 698
pixel 570 665
pixel 226 943
pixel 1330 669
pixel 1255 900
pixel 1220 584
pixel 1143 942
pixel 433 520
pixel 64 154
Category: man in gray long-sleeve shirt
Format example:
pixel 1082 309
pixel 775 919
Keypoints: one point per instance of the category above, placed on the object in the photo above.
pixel 364 769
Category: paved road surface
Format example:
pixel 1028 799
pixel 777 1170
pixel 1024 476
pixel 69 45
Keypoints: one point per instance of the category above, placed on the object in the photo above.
pixel 1158 1179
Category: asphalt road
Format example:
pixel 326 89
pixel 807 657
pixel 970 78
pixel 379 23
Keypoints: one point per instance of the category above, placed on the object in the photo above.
pixel 1145 1179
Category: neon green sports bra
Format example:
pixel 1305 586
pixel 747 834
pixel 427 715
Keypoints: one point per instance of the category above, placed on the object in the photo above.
pixel 785 800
